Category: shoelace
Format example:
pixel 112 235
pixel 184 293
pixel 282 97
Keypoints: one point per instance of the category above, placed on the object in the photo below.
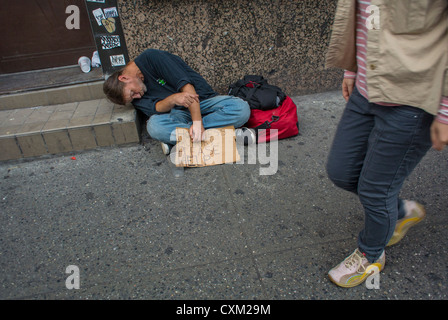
pixel 355 259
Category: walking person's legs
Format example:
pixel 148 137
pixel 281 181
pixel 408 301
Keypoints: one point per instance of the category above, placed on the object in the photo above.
pixel 375 148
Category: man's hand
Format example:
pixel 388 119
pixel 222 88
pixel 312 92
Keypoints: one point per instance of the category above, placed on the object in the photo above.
pixel 185 99
pixel 197 131
pixel 439 135
pixel 347 87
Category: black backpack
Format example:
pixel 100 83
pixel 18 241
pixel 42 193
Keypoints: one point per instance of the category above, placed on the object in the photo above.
pixel 257 92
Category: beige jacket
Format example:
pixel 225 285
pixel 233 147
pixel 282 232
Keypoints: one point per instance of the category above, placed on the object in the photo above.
pixel 407 55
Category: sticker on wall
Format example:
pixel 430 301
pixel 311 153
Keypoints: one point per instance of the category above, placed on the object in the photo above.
pixel 99 15
pixel 109 24
pixel 110 42
pixel 117 60
pixel 110 12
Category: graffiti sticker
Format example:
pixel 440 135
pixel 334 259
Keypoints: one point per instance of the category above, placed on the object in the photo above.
pixel 117 60
pixel 109 24
pixel 111 12
pixel 110 42
pixel 99 15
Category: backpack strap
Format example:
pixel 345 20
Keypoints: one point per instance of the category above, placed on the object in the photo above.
pixel 267 124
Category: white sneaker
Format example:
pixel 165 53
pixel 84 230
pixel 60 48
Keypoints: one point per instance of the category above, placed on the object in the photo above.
pixel 355 269
pixel 166 148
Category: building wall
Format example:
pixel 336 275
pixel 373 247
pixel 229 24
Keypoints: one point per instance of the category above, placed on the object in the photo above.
pixel 285 41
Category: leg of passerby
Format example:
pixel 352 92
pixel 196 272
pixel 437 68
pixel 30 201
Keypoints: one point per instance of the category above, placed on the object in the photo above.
pixel 399 140
pixel 344 166
pixel 349 148
pixel 409 214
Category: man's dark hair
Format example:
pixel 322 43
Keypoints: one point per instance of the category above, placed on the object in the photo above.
pixel 113 88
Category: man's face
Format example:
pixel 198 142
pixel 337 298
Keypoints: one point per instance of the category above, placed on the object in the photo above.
pixel 134 89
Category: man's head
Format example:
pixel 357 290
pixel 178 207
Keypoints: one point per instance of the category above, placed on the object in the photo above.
pixel 124 85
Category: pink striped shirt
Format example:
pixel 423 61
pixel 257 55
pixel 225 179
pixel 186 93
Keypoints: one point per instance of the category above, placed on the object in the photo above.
pixel 361 53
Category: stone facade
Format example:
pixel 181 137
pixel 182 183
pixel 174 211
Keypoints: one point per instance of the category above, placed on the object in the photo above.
pixel 284 41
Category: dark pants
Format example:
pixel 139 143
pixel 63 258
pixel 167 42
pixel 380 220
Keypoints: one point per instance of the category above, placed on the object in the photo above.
pixel 375 149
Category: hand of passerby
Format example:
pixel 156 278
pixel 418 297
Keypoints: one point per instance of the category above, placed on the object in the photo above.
pixel 347 87
pixel 439 135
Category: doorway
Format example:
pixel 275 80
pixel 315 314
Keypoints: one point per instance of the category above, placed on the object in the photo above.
pixel 35 36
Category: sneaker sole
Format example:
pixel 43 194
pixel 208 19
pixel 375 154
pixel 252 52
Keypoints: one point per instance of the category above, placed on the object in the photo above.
pixel 356 280
pixel 404 227
pixel 165 148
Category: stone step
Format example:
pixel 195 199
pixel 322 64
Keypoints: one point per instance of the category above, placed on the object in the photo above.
pixel 52 96
pixel 49 86
pixel 65 127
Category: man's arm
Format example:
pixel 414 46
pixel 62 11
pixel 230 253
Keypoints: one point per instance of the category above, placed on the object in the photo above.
pixel 197 129
pixel 193 105
pixel 188 98
pixel 185 99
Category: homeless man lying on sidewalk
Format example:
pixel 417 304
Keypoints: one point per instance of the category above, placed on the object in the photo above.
pixel 172 95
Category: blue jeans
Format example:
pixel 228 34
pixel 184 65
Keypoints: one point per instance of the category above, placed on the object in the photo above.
pixel 220 111
pixel 375 149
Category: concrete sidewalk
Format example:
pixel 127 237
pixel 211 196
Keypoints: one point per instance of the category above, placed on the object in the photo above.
pixel 222 232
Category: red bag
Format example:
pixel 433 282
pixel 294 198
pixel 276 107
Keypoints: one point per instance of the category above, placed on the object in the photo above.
pixel 283 118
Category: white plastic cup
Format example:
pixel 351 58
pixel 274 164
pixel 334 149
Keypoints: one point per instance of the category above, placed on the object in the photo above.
pixel 84 63
pixel 96 60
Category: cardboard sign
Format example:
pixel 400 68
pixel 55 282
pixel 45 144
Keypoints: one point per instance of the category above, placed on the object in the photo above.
pixel 219 147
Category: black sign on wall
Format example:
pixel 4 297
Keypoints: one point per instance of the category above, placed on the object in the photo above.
pixel 108 34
